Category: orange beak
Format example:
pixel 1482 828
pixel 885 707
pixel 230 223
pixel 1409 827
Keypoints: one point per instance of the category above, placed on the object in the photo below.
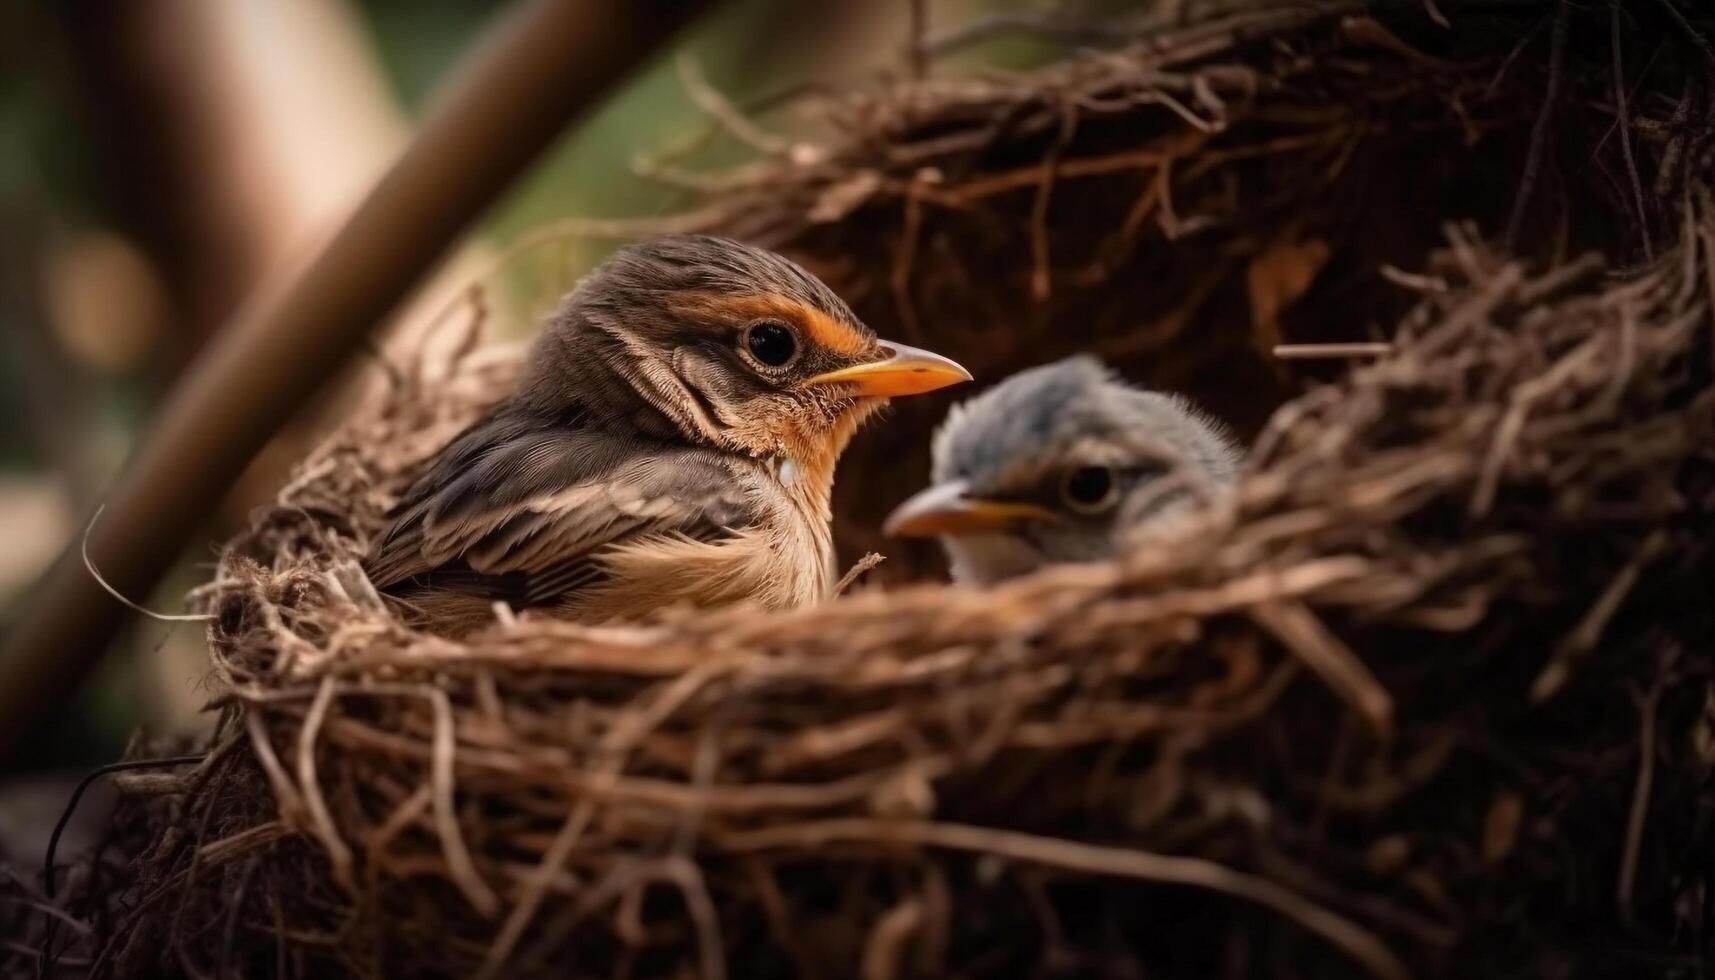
pixel 947 509
pixel 906 371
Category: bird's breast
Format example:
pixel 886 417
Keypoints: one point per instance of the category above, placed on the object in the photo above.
pixel 798 531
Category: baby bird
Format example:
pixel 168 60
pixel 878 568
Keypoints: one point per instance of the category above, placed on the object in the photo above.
pixel 672 440
pixel 1061 463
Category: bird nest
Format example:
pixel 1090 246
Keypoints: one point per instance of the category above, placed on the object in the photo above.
pixel 1431 697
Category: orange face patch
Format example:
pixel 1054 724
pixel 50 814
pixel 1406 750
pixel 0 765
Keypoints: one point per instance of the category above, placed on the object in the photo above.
pixel 821 329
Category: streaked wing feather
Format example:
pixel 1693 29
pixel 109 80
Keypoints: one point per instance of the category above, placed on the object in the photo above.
pixel 522 517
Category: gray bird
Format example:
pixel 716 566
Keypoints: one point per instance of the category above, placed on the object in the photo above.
pixel 1062 463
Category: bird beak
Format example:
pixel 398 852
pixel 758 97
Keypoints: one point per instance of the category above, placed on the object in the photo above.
pixel 906 371
pixel 947 509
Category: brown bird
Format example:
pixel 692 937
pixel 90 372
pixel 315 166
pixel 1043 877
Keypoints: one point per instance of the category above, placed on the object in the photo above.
pixel 672 440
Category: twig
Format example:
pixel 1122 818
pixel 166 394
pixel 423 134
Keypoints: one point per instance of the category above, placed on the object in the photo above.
pixel 885 949
pixel 286 797
pixel 1293 624
pixel 722 111
pixel 859 569
pixel 917 52
pixel 1522 402
pixel 1638 817
pixel 1544 121
pixel 404 815
pixel 460 867
pixel 1560 277
pixel 1041 276
pixel 1512 56
pixel 1413 280
pixel 1308 352
pixel 711 955
pixel 1675 153
pixel 1626 130
pixel 905 260
pixel 83 550
pixel 1584 638
pixel 1032 175
pixel 1691 33
pixel 700 138
pixel 31 952
pixel 309 785
pixel 217 852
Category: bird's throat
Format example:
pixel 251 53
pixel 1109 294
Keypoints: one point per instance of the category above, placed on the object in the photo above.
pixel 810 458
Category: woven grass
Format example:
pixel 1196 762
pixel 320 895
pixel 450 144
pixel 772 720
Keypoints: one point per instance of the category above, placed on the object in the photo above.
pixel 1431 697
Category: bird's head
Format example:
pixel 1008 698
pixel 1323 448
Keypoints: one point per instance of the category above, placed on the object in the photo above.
pixel 718 342
pixel 1059 463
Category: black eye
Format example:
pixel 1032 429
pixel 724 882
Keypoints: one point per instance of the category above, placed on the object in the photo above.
pixel 1089 488
pixel 770 343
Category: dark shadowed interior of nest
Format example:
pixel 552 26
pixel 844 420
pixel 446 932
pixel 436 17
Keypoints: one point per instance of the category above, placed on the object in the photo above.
pixel 1078 211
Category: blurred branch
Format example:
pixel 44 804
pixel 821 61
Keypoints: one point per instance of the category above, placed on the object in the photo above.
pixel 546 61
pixel 233 134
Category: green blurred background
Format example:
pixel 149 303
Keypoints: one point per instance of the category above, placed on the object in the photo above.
pixel 162 159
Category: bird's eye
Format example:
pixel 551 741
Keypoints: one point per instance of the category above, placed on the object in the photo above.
pixel 770 343
pixel 1089 489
